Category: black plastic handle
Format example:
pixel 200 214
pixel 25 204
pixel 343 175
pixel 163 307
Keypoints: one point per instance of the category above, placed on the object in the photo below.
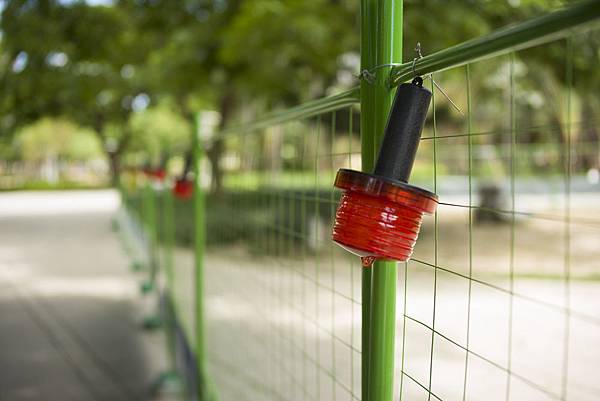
pixel 403 131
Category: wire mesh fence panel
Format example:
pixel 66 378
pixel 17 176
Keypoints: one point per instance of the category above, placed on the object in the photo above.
pixel 500 300
pixel 282 302
pixel 494 296
pixel 183 274
pixel 497 302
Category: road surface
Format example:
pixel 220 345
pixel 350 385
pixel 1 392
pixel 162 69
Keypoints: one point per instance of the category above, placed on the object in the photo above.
pixel 70 307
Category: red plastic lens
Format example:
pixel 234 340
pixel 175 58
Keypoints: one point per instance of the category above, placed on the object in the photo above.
pixel 379 218
pixel 183 189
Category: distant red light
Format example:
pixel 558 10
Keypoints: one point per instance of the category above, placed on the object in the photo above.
pixel 183 189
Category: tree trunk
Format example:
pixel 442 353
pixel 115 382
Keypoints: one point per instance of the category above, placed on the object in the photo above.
pixel 586 154
pixel 214 157
pixel 114 161
pixel 113 151
pixel 218 147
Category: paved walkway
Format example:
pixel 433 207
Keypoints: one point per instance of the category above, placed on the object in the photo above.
pixel 70 308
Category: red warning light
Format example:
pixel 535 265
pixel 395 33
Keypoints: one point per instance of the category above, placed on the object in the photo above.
pixel 379 215
pixel 183 189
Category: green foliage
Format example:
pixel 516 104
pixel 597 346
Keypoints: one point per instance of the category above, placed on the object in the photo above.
pixel 288 50
pixel 57 139
pixel 66 60
pixel 159 133
pixel 72 60
pixel 101 66
pixel 61 185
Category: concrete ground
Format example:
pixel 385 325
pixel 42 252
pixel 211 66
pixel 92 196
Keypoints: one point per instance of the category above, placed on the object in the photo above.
pixel 70 307
pixel 282 329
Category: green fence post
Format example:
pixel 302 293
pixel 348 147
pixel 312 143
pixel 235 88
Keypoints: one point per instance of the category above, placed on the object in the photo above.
pixel 151 229
pixel 381 43
pixel 168 227
pixel 199 243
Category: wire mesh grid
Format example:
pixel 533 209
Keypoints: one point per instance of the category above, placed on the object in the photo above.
pixel 497 302
pixel 278 293
pixel 179 264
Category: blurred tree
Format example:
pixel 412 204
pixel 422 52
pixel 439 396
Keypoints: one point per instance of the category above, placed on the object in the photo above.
pixel 288 51
pixel 159 133
pixel 100 64
pixel 58 139
pixel 48 142
pixel 74 60
pixel 227 55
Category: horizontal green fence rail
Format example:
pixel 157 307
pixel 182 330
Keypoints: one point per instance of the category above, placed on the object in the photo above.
pixel 527 34
pixel 308 109
pixel 533 32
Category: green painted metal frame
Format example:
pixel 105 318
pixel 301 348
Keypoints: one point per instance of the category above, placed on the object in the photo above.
pixel 169 264
pixel 168 220
pixel 151 229
pixel 199 247
pixel 535 31
pixel 304 110
pixel 381 43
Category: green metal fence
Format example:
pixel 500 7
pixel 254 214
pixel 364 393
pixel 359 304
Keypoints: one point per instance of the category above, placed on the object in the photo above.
pixel 497 301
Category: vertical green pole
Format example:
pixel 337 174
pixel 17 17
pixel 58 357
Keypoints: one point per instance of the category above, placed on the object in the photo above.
pixel 199 242
pixel 168 220
pixel 152 232
pixel 381 43
pixel 169 239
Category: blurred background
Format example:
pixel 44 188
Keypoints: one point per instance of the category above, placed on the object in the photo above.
pixel 98 106
pixel 91 87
